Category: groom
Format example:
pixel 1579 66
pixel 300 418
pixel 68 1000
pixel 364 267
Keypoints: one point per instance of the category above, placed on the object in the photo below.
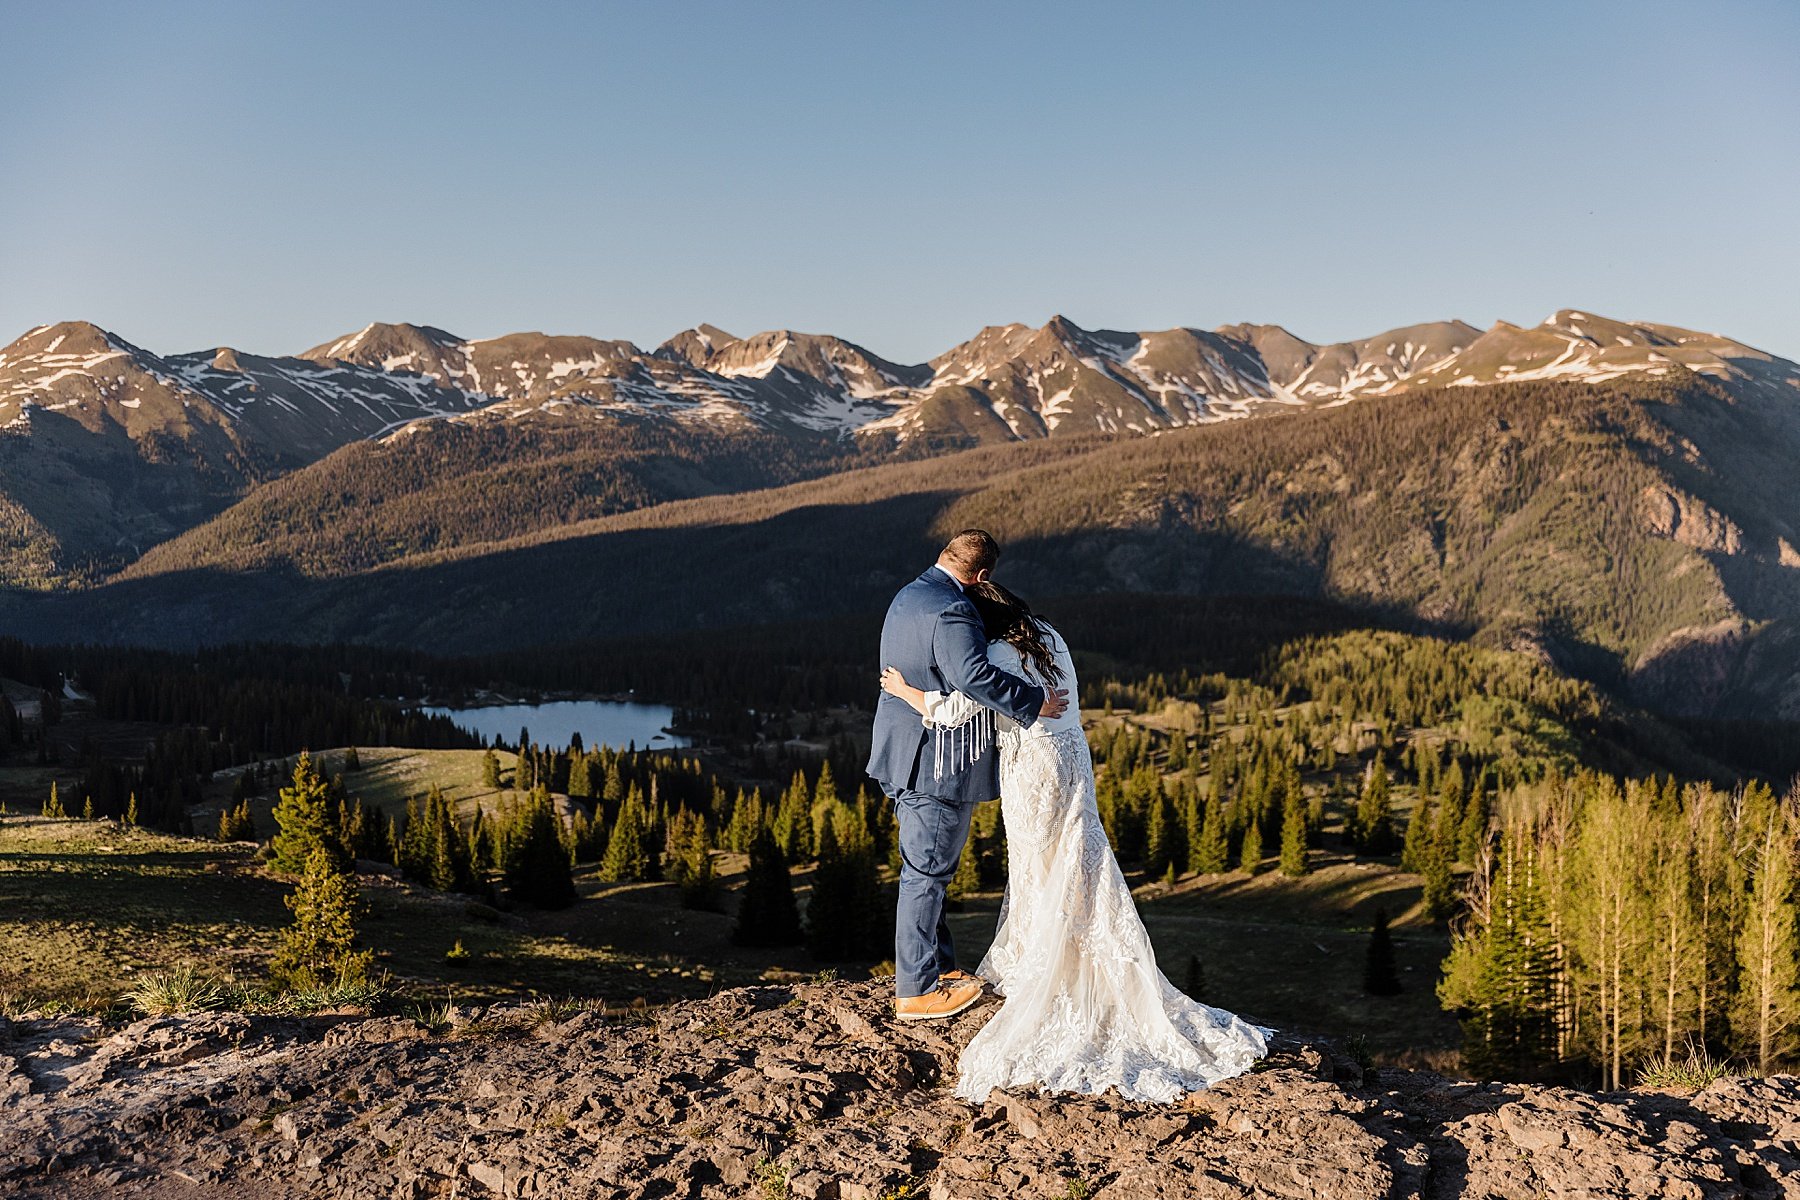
pixel 934 635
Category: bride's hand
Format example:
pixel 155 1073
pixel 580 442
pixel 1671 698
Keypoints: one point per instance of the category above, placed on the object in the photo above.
pixel 892 682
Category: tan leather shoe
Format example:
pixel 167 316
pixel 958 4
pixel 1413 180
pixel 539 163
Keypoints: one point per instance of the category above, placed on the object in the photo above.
pixel 956 978
pixel 941 1001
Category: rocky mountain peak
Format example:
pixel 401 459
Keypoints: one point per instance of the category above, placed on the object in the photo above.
pixel 72 339
pixel 846 369
pixel 695 346
pixel 375 343
pixel 994 344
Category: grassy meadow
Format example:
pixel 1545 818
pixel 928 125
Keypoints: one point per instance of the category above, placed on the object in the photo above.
pixel 86 907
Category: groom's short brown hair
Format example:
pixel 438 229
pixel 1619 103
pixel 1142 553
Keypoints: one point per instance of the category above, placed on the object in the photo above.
pixel 972 551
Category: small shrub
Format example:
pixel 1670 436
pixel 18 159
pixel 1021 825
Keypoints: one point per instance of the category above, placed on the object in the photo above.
pixel 1694 1070
pixel 553 1011
pixel 438 1018
pixel 180 990
pixel 772 1177
pixel 340 994
pixel 318 951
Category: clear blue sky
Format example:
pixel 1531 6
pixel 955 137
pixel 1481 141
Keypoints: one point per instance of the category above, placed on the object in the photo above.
pixel 269 176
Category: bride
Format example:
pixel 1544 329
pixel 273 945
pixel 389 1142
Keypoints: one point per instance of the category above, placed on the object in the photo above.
pixel 1086 1007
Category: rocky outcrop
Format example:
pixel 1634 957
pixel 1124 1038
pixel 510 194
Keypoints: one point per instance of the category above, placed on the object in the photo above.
pixel 810 1092
pixel 1682 518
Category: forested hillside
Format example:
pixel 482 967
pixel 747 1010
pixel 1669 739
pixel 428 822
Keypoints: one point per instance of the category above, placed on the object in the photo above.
pixel 444 485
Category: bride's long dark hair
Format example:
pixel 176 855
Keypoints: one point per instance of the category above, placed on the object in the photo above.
pixel 1007 618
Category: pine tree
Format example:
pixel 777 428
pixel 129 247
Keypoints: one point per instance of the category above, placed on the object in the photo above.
pixel 590 845
pixel 1251 855
pixel 364 833
pixel 843 916
pixel 627 859
pixel 793 821
pixel 1416 849
pixel 1473 834
pixel 236 824
pixel 1293 837
pixel 1212 850
pixel 319 948
pixel 690 854
pixel 413 856
pixel 1164 852
pixel 449 859
pixel 1141 796
pixel 825 791
pixel 1374 810
pixel 1439 892
pixel 303 815
pixel 1502 975
pixel 748 818
pixel 767 915
pixel 1380 976
pixel 1451 799
pixel 53 807
pixel 131 811
pixel 490 769
pixel 537 866
pixel 352 760
pixel 581 784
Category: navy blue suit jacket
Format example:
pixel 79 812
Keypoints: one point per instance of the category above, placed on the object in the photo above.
pixel 935 636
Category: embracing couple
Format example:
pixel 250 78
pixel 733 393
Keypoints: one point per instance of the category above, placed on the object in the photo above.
pixel 976 703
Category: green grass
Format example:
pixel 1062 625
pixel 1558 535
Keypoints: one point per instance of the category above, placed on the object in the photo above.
pixel 1688 1072
pixel 182 989
pixel 90 906
pixel 92 910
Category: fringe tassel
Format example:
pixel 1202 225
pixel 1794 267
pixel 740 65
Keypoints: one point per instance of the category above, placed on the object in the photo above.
pixel 967 743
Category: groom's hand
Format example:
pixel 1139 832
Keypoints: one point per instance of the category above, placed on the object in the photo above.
pixel 1055 701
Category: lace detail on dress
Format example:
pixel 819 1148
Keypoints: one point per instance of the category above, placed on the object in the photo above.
pixel 1086 1007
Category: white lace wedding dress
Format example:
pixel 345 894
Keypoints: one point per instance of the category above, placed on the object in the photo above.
pixel 1086 1007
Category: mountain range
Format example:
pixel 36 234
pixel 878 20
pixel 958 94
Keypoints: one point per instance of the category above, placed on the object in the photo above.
pixel 1613 496
pixel 107 449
